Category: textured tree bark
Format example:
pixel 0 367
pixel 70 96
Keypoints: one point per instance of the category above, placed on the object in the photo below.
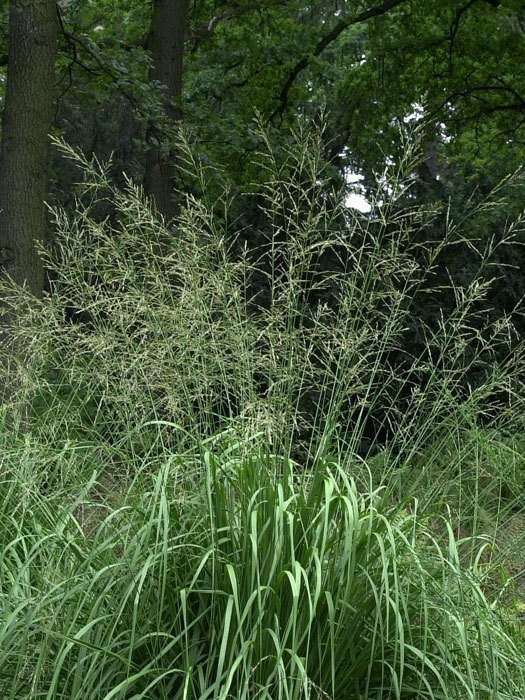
pixel 166 43
pixel 24 151
pixel 26 122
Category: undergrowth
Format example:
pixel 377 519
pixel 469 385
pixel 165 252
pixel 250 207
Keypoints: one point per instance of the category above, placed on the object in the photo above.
pixel 227 472
pixel 235 576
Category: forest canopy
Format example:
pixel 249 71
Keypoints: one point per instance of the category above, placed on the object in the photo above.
pixel 126 72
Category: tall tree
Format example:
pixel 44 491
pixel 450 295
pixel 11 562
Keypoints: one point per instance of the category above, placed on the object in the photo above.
pixel 166 44
pixel 26 122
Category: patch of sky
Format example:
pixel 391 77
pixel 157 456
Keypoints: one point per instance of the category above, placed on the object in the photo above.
pixel 356 192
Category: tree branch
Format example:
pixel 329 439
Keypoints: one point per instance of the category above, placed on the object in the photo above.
pixel 477 93
pixel 84 43
pixel 456 22
pixel 322 44
pixel 205 30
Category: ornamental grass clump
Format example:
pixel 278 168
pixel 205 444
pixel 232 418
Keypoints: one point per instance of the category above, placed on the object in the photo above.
pixel 237 462
pixel 233 576
pixel 302 326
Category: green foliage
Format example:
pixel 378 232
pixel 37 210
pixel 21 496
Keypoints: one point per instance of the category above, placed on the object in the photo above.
pixel 297 334
pixel 465 62
pixel 192 506
pixel 274 451
pixel 227 574
pixel 460 64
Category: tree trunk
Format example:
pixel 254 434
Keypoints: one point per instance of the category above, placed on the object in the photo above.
pixel 26 122
pixel 166 43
